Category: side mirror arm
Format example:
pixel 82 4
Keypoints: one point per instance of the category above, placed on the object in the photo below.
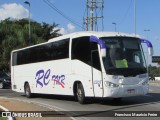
pixel 149 45
pixel 101 43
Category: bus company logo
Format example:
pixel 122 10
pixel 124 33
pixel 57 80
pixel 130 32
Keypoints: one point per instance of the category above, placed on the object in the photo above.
pixel 44 78
pixel 6 114
pixel 58 80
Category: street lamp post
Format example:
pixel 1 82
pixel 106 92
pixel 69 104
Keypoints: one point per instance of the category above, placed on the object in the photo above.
pixel 26 2
pixel 115 25
pixel 147 30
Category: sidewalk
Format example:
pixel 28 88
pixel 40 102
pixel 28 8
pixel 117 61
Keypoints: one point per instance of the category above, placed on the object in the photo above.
pixel 16 105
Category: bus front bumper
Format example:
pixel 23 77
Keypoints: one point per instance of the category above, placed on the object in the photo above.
pixel 126 91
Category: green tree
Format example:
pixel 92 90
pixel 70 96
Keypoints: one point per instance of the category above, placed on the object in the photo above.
pixel 14 35
pixel 154 71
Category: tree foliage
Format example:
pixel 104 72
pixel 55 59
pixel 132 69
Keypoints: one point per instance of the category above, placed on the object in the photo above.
pixel 154 71
pixel 14 35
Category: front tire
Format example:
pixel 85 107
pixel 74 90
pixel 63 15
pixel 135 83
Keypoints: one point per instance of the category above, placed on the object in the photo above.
pixel 27 91
pixel 80 93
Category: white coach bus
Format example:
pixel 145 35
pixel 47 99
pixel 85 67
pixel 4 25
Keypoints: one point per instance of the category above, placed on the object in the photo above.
pixel 83 64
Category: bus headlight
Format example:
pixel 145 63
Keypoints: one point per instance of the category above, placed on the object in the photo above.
pixel 110 84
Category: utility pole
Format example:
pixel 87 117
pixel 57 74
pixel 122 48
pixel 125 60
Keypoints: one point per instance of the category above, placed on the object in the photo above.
pixel 92 7
pixel 91 14
pixel 147 30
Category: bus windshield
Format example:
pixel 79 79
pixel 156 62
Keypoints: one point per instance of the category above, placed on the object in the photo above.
pixel 124 56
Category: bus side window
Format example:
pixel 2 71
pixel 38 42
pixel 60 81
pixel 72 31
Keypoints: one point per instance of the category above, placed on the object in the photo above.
pixel 81 49
pixel 95 56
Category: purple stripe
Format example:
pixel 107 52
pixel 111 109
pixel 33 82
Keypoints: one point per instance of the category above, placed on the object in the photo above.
pixel 99 41
pixel 149 44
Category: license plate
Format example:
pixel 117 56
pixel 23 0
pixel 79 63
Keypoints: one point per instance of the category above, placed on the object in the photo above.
pixel 131 91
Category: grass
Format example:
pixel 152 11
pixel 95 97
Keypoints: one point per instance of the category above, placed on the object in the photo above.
pixel 2 118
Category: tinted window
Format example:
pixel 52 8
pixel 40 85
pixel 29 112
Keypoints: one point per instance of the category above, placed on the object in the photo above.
pixel 81 49
pixel 95 56
pixel 51 51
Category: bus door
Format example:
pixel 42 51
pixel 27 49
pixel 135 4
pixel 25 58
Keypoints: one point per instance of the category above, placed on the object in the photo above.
pixel 96 74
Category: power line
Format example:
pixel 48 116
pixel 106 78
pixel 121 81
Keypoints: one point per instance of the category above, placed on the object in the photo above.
pixel 61 13
pixel 126 13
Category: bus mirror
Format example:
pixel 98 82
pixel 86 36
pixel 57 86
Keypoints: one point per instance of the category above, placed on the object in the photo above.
pixel 149 45
pixel 101 43
pixel 103 53
pixel 150 51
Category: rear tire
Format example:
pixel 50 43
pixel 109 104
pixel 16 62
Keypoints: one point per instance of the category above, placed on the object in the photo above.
pixel 80 93
pixel 27 91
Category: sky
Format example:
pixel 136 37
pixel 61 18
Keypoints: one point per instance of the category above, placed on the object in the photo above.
pixel 119 11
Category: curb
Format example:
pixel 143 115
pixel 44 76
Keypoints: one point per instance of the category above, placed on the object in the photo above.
pixel 5 109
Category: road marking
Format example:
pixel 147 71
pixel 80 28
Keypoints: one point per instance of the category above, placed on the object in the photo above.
pixel 51 107
pixel 5 109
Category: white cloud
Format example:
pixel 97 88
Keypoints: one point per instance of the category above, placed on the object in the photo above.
pixel 62 31
pixel 13 10
pixel 70 27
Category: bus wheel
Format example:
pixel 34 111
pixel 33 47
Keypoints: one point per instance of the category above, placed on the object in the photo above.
pixel 27 91
pixel 80 93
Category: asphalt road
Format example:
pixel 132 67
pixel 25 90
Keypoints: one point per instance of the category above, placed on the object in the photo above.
pixel 100 108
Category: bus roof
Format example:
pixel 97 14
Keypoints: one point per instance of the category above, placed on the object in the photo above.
pixel 80 34
pixel 89 33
